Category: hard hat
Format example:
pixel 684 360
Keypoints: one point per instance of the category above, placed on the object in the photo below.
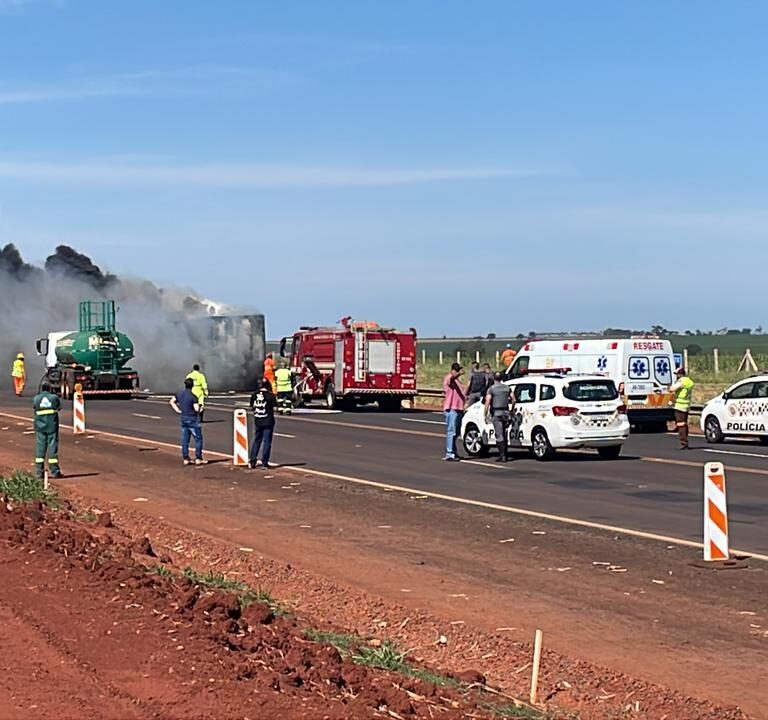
pixel 680 371
pixel 20 356
pixel 509 345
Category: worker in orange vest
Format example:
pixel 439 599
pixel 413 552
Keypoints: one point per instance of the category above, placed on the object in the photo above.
pixel 508 356
pixel 269 372
pixel 19 374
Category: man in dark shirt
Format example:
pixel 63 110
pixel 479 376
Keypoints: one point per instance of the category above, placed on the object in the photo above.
pixel 478 384
pixel 497 409
pixel 186 404
pixel 263 403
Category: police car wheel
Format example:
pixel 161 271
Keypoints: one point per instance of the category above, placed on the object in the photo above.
pixel 473 442
pixel 540 446
pixel 712 430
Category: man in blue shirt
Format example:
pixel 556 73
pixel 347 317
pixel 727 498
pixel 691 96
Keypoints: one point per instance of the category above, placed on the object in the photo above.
pixel 186 404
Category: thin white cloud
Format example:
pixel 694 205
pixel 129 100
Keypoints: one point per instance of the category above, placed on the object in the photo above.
pixel 15 6
pixel 185 81
pixel 248 176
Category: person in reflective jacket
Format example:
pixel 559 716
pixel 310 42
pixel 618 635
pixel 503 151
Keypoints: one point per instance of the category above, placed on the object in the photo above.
pixel 46 407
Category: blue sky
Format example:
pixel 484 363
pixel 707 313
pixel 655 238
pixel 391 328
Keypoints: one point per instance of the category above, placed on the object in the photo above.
pixel 462 168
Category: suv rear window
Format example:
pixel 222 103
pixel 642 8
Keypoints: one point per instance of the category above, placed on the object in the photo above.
pixel 590 390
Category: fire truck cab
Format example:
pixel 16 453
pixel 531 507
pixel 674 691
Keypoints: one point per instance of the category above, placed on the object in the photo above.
pixel 353 363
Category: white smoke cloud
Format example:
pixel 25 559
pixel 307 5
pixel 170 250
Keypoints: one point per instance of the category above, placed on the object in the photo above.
pixel 161 322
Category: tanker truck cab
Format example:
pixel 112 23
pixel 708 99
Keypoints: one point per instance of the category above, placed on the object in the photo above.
pixel 641 368
pixel 46 347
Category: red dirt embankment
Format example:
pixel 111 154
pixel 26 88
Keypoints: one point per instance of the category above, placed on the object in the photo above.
pixel 90 628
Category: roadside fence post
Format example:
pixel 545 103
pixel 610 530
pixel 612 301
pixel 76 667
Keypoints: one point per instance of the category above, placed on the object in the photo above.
pixel 440 357
pixel 536 663
pixel 716 358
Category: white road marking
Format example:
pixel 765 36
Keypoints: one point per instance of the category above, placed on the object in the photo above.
pixel 459 500
pixel 427 422
pixel 148 417
pixel 315 411
pixel 285 435
pixel 734 452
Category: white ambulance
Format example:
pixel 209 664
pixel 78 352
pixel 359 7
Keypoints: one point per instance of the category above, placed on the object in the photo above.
pixel 641 367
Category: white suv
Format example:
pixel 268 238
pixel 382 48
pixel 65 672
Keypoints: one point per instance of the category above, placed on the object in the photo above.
pixel 555 411
pixel 742 410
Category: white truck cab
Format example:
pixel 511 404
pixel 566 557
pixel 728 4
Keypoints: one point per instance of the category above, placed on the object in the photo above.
pixel 46 347
pixel 554 411
pixel 642 369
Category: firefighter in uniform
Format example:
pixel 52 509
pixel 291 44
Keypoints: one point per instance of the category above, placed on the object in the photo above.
pixel 199 388
pixel 284 390
pixel 46 406
pixel 269 371
pixel 508 356
pixel 19 374
pixel 683 390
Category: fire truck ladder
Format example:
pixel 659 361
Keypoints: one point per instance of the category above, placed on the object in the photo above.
pixel 361 354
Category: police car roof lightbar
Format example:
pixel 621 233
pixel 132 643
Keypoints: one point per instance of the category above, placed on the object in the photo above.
pixel 546 371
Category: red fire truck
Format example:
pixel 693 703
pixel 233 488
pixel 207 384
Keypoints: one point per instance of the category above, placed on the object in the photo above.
pixel 354 363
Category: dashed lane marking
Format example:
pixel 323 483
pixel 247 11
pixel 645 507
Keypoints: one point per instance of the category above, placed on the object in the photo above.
pixel 148 417
pixel 426 422
pixel 735 452
pixel 447 498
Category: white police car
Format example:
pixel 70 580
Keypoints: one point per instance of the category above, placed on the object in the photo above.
pixel 555 411
pixel 741 411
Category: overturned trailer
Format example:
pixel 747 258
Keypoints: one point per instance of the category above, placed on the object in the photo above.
pixel 231 349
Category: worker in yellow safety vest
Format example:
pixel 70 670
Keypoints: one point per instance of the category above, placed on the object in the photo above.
pixel 19 374
pixel 284 390
pixel 199 388
pixel 683 390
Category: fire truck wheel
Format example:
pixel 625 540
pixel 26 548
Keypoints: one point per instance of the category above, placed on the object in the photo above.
pixel 330 396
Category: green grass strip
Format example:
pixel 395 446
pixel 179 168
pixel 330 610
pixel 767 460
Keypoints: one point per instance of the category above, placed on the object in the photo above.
pixel 21 486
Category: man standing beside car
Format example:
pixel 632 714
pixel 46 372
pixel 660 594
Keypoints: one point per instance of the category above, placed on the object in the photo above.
pixel 453 405
pixel 478 384
pixel 683 390
pixel 497 410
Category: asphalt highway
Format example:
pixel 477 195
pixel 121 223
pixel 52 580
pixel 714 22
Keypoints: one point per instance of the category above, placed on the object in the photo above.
pixel 652 488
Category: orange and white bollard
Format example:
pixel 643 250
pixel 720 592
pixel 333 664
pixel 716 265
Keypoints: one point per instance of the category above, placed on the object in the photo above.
pixel 78 414
pixel 715 513
pixel 240 453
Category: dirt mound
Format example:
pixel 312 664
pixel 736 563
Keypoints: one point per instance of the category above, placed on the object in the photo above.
pixel 162 643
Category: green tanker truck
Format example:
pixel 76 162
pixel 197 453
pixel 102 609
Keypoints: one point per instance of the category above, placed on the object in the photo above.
pixel 95 358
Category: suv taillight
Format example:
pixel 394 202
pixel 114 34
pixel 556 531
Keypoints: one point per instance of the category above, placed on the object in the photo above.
pixel 562 411
pixel 622 409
